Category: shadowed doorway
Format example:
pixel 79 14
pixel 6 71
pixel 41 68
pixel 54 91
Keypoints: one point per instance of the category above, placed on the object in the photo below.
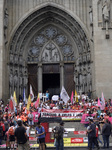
pixel 51 82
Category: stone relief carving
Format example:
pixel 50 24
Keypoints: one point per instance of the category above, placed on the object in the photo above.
pixel 11 58
pixel 52 34
pixel 16 59
pixel 50 53
pixel 15 79
pixel 82 74
pixel 5 24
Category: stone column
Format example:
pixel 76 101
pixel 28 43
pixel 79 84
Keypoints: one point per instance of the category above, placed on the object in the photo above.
pixel 39 77
pixel 1 47
pixel 61 75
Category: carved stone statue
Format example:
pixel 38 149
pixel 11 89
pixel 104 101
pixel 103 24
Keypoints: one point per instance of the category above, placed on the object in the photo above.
pixel 20 60
pixel 50 54
pixel 16 59
pixel 91 15
pixel 15 78
pixel 25 77
pixel 5 24
pixel 11 58
pixel 11 80
pixel 88 56
pixel 106 10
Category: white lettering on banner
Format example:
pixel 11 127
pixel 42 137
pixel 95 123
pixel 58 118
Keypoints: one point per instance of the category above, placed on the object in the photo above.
pixel 81 132
pixel 63 114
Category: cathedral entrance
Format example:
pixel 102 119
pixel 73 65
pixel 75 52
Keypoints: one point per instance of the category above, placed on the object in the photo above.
pixel 53 52
pixel 51 79
pixel 51 83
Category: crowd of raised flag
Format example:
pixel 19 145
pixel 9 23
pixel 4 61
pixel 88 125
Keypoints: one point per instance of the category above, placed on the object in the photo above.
pixel 24 109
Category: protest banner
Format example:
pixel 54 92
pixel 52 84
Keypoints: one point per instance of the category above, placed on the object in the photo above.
pixel 64 114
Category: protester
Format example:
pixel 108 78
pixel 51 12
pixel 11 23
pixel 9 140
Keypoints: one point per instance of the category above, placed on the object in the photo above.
pixel 106 131
pixel 40 135
pixel 30 119
pixel 89 107
pixel 7 140
pixel 92 135
pixel 21 137
pixel 11 135
pixel 58 136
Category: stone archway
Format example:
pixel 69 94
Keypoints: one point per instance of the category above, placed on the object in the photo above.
pixel 29 46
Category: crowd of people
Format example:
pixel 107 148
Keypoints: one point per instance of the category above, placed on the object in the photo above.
pixel 21 120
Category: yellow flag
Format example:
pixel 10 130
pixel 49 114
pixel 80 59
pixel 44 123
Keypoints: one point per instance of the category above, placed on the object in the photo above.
pixel 76 96
pixel 29 102
pixel 14 96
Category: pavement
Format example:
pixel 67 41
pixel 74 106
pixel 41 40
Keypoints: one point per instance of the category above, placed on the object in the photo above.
pixel 70 139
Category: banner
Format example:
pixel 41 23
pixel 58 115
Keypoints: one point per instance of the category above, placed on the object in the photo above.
pixel 64 114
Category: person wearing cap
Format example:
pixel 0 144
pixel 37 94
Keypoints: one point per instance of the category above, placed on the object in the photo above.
pixel 40 134
pixel 59 140
pixel 92 135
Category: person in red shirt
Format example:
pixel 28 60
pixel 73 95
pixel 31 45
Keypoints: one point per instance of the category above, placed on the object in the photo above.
pixel 3 126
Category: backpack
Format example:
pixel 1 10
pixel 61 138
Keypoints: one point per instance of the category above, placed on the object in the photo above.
pixel 58 134
pixel 11 131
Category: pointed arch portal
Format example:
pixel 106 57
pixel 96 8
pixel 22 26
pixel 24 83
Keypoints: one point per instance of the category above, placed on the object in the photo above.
pixel 49 48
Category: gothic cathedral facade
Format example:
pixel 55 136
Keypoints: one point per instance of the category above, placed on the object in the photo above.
pixel 53 43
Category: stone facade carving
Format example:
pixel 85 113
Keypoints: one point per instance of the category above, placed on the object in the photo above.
pixel 49 44
pixel 50 53
pixel 104 20
pixel 5 24
pixel 106 10
pixel 91 15
pixel 83 74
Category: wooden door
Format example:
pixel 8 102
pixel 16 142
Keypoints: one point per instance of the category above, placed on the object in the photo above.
pixel 69 83
pixel 33 78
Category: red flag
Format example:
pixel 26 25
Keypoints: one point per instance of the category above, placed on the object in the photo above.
pixel 11 105
pixel 72 97
pixel 37 102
